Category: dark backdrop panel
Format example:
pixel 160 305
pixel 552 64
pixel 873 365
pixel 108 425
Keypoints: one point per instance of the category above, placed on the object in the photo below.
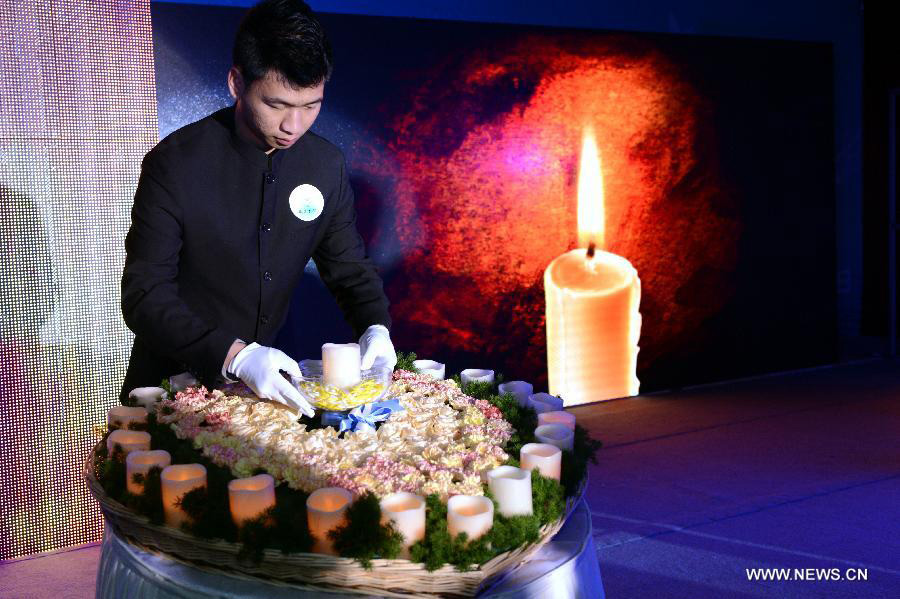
pixel 463 144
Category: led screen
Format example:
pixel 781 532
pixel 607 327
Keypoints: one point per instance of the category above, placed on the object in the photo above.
pixel 77 114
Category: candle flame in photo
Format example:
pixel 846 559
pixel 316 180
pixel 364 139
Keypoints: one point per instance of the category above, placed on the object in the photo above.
pixel 591 218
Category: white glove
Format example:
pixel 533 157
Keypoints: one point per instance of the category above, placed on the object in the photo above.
pixel 375 345
pixel 259 367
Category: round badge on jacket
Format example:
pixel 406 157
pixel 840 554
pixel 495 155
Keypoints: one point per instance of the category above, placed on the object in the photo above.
pixel 306 202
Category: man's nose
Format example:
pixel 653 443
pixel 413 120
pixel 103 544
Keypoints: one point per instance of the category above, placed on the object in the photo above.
pixel 293 122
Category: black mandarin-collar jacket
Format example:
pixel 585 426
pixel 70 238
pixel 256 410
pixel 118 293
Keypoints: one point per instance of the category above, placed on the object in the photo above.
pixel 214 251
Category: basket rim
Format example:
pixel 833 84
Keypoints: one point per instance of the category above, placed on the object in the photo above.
pixel 484 574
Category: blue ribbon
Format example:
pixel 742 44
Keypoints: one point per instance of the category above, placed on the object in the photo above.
pixel 366 416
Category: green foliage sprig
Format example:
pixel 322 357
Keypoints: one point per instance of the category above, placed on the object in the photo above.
pixel 149 502
pixel 405 361
pixel 364 537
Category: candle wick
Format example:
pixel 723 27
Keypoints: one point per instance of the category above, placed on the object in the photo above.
pixel 591 248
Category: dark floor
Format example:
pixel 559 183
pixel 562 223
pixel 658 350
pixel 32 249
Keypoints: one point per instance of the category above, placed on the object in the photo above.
pixel 793 471
pixel 695 487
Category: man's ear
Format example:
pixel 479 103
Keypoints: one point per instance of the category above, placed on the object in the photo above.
pixel 235 82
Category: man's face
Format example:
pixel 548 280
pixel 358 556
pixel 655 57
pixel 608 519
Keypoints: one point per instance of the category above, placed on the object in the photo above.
pixel 270 113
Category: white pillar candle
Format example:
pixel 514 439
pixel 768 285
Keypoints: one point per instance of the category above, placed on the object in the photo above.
pixel 325 510
pixel 341 364
pixel 556 434
pixel 147 397
pixel 140 462
pixel 544 402
pixel 511 488
pixel 543 456
pixel 431 368
pixel 128 440
pixel 519 389
pixel 250 497
pixel 407 512
pixel 471 514
pixel 124 416
pixel 476 375
pixel 182 381
pixel 176 481
pixel 558 417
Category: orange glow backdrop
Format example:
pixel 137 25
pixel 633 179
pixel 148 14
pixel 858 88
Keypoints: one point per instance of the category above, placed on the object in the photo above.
pixel 486 196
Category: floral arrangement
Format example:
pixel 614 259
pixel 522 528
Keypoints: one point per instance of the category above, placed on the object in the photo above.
pixel 442 443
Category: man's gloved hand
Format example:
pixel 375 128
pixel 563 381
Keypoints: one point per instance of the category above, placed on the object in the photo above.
pixel 375 345
pixel 259 367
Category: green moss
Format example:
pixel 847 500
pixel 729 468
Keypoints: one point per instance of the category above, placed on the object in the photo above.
pixel 405 361
pixel 439 548
pixel 363 537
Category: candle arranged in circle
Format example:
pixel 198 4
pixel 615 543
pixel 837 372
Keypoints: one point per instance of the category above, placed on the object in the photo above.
pixel 559 435
pixel 544 402
pixel 140 462
pixel 593 299
pixel 178 480
pixel 521 390
pixel 249 497
pixel 435 370
pixel 471 514
pixel 407 512
pixel 543 456
pixel 511 487
pixel 126 417
pixel 557 417
pixel 147 397
pixel 476 375
pixel 128 440
pixel 325 510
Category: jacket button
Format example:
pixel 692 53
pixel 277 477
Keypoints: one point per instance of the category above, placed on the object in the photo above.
pixel 270 178
pixel 267 275
pixel 266 227
pixel 264 319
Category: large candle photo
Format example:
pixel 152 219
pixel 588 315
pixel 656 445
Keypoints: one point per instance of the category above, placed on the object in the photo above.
pixel 593 297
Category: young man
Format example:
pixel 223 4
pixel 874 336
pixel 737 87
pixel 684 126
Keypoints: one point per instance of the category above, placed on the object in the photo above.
pixel 229 210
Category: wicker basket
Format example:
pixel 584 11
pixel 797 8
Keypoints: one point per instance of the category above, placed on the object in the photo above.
pixel 390 578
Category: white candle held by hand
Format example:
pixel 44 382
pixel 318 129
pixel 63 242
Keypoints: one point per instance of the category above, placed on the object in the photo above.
pixel 341 364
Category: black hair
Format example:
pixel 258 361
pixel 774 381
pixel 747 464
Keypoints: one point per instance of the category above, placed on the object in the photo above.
pixel 282 36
